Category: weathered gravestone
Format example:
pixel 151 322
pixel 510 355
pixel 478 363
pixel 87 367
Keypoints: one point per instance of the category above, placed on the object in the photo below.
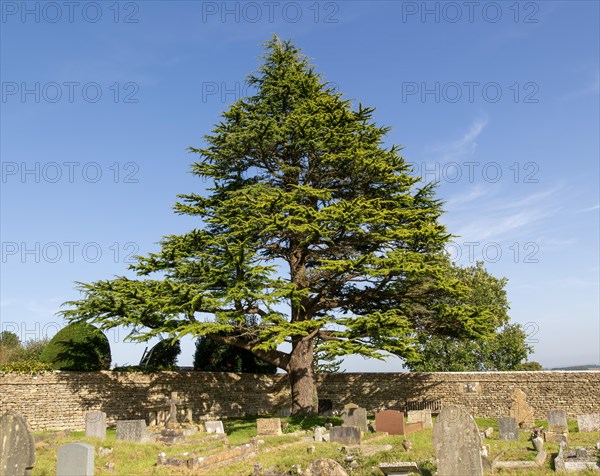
pixel 520 410
pixel 399 468
pixel 557 426
pixel 75 459
pixel 348 435
pixel 17 451
pixel 95 425
pixel 355 416
pixel 420 416
pixel 132 430
pixel 508 429
pixel 457 443
pixel 589 422
pixel 214 427
pixel 557 421
pixel 268 427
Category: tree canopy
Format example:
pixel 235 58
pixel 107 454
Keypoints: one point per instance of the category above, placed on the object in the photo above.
pixel 311 228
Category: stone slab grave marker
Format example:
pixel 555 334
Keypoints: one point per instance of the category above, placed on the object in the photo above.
pixel 75 459
pixel 421 416
pixel 214 427
pixel 557 421
pixel 399 468
pixel 520 410
pixel 457 443
pixel 268 427
pixel 348 435
pixel 589 422
pixel 392 422
pixel 353 415
pixel 508 428
pixel 17 447
pixel 557 426
pixel 95 425
pixel 132 430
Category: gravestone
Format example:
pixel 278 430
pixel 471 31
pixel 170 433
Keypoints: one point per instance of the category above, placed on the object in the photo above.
pixel 557 421
pixel 355 416
pixel 214 427
pixel 319 432
pixel 520 410
pixel 268 427
pixel 284 412
pixel 132 430
pixel 390 421
pixel 95 425
pixel 457 443
pixel 173 402
pixel 399 468
pixel 17 447
pixel 589 422
pixel 348 435
pixel 75 459
pixel 508 429
pixel 420 416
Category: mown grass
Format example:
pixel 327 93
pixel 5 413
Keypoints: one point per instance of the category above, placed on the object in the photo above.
pixel 282 452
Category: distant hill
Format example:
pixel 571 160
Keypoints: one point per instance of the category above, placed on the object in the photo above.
pixel 579 367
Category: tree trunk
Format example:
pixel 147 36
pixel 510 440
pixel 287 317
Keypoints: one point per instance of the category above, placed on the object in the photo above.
pixel 302 377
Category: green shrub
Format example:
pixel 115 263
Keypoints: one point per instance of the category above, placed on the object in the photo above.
pixel 211 356
pixel 79 346
pixel 163 356
pixel 26 367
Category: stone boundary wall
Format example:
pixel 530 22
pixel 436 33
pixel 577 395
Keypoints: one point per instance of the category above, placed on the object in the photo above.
pixel 58 400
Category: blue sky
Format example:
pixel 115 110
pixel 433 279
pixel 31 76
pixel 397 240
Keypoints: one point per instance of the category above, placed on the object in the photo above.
pixel 498 101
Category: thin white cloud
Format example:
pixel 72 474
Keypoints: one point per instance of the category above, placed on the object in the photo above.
pixel 589 209
pixel 474 193
pixel 592 87
pixel 464 146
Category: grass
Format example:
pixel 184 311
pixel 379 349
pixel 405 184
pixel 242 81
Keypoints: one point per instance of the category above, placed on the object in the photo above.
pixel 282 452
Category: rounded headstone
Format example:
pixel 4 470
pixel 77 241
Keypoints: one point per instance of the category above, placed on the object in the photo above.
pixel 17 451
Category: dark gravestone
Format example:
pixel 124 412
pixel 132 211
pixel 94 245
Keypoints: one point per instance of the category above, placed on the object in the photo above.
pixel 348 435
pixel 457 443
pixel 508 428
pixel 75 459
pixel 132 430
pixel 95 425
pixel 17 450
pixel 355 417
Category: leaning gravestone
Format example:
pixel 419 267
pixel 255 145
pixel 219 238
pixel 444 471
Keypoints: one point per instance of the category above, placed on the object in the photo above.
pixel 17 450
pixel 75 459
pixel 323 466
pixel 590 422
pixel 457 443
pixel 268 427
pixel 355 416
pixel 214 427
pixel 95 425
pixel 508 429
pixel 132 430
pixel 348 435
pixel 520 410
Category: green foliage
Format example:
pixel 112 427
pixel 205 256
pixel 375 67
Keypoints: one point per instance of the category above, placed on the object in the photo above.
pixel 505 349
pixel 310 228
pixel 78 346
pixel 531 366
pixel 9 339
pixel 164 355
pixel 210 356
pixel 26 367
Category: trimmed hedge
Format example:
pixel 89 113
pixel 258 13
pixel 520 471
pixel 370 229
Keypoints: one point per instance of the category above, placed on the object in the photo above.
pixel 80 347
